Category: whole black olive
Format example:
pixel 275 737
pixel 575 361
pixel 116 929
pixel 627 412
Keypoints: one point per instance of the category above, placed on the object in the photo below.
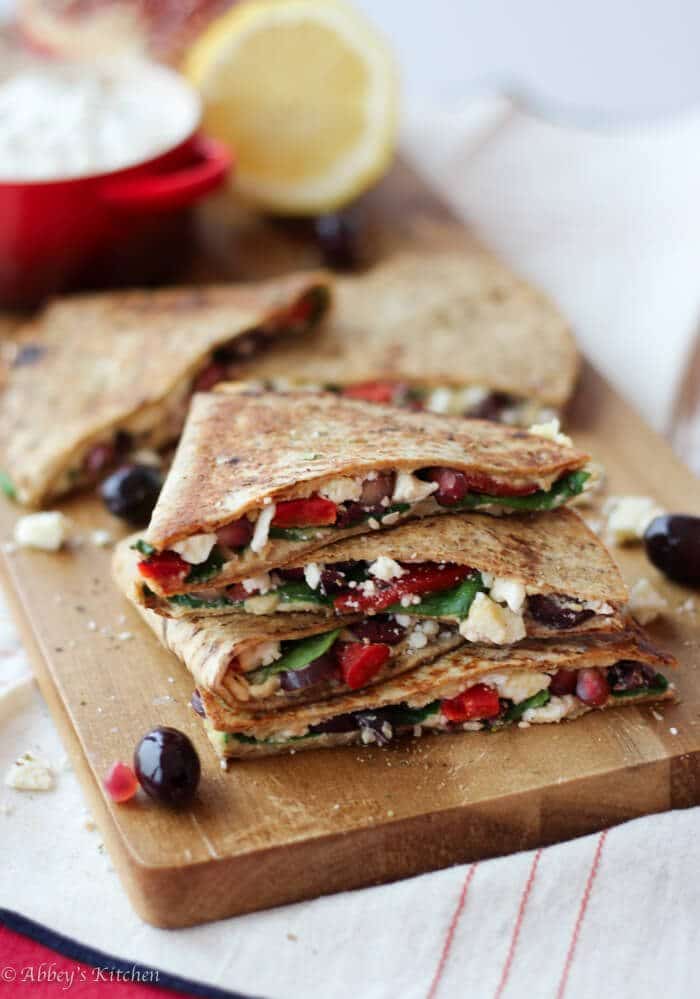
pixel 167 766
pixel 672 543
pixel 131 493
pixel 338 239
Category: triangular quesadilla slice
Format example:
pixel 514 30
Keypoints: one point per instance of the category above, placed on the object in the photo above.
pixel 471 689
pixel 454 333
pixel 97 377
pixel 268 661
pixel 260 479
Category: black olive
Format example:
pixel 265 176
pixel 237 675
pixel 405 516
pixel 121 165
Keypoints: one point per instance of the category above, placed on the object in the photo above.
pixel 167 766
pixel 549 610
pixel 132 492
pixel 672 542
pixel 337 236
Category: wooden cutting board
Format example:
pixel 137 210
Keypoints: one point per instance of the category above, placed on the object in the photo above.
pixel 273 831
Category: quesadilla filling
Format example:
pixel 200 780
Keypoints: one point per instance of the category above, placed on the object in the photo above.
pixel 496 701
pixel 471 401
pixel 156 426
pixel 380 499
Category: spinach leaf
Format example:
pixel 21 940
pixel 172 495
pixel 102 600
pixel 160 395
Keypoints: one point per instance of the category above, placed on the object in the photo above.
pixel 201 573
pixel 568 486
pixel 6 485
pixel 659 685
pixel 296 655
pixel 300 592
pixel 449 603
pixel 403 715
pixel 516 711
pixel 143 547
pixel 187 600
pixel 294 533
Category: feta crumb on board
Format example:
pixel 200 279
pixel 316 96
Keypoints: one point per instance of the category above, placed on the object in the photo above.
pixel 629 517
pixel 490 622
pixel 47 530
pixel 645 602
pixel 551 431
pixel 196 549
pixel 29 774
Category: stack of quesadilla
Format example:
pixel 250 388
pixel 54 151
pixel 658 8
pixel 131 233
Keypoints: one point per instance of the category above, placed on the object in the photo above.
pixel 98 377
pixel 454 333
pixel 357 612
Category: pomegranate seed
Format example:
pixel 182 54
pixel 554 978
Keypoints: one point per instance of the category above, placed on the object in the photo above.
pixel 592 687
pixel 563 682
pixel 377 489
pixel 120 783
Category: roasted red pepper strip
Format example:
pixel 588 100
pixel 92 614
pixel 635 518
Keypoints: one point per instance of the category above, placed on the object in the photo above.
pixel 420 579
pixel 312 512
pixel 371 391
pixel 165 568
pixel 360 663
pixel 478 701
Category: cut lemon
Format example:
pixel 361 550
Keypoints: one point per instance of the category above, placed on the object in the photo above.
pixel 305 93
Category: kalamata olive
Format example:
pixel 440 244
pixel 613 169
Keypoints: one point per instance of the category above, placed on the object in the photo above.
pixel 672 543
pixel 380 628
pixel 337 236
pixel 132 492
pixel 592 687
pixel 352 513
pixel 237 534
pixel 167 766
pixel 340 723
pixel 378 723
pixel 99 458
pixel 563 682
pixel 629 675
pixel 453 486
pixel 491 408
pixel 550 610
pixel 317 671
pixel 377 489
pixel 196 703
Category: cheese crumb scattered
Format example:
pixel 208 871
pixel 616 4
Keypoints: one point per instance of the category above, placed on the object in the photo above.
pixel 260 583
pixel 29 774
pixel 410 489
pixel 417 639
pixel 342 489
pixel 386 568
pixel 47 530
pixel 517 686
pixel 312 575
pixel 645 602
pixel 196 549
pixel 553 711
pixel 101 539
pixel 510 592
pixel 489 622
pixel 629 517
pixel 673 730
pixel 551 431
pixel 262 528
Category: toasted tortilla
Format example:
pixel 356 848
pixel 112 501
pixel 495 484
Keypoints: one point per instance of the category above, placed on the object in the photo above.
pixel 444 678
pixel 437 319
pixel 242 450
pixel 94 364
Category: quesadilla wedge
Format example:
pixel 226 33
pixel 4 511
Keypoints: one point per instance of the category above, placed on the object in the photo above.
pixel 544 571
pixel 453 333
pixel 471 689
pixel 260 479
pixel 97 377
pixel 377 631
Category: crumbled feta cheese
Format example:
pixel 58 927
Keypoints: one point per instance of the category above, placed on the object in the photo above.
pixel 551 431
pixel 261 604
pixel 403 620
pixel 687 607
pixel 439 400
pixel 508 591
pixel 517 686
pixel 312 575
pixel 261 584
pixel 490 622
pixel 417 639
pixel 29 774
pixel 410 489
pixel 488 579
pixel 145 456
pixel 47 530
pixel 195 549
pixel 262 654
pixel 390 519
pixel 386 568
pixel 262 528
pixel 629 517
pixel 429 627
pixel 342 489
pixel 554 710
pixel 374 523
pixel 368 587
pixel 645 602
pixel 101 539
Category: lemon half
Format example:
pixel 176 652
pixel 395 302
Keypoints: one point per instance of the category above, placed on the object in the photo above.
pixel 305 92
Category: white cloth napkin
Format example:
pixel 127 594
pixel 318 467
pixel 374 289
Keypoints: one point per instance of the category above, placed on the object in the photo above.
pixel 608 224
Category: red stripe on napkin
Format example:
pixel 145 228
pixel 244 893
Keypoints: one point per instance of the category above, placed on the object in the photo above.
pixel 518 923
pixel 456 916
pixel 581 914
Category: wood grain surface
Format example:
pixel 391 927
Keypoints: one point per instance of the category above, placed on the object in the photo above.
pixel 273 831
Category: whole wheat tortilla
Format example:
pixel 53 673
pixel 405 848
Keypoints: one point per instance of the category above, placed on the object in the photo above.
pixel 444 678
pixel 98 360
pixel 242 449
pixel 434 319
